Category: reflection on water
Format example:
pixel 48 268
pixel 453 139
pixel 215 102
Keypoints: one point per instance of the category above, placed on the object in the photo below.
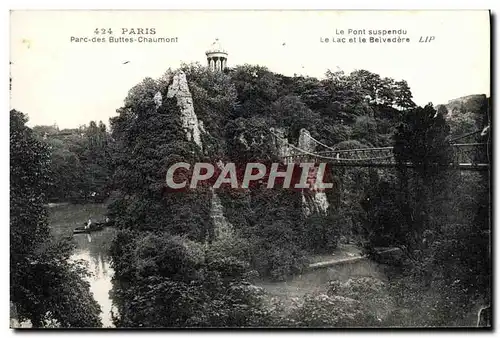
pixel 94 249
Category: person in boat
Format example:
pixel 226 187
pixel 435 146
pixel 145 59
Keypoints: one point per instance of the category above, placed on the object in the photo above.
pixel 89 223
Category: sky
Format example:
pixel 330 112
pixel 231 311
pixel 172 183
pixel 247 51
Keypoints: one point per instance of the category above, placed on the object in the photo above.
pixel 56 81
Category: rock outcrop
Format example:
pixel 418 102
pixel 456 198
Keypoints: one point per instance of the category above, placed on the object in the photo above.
pixel 281 143
pixel 180 90
pixel 222 227
pixel 158 99
pixel 193 128
pixel 305 141
pixel 319 200
pixel 316 202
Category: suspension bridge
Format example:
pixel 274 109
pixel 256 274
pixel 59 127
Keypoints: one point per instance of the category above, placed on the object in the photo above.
pixel 465 156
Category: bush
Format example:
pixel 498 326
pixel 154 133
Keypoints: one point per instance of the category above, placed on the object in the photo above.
pixel 357 302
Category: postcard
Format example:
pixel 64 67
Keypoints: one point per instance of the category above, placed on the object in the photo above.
pixel 250 169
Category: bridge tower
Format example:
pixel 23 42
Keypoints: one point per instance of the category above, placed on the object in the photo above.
pixel 216 57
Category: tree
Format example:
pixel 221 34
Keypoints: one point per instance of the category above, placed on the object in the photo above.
pixel 174 282
pixel 422 139
pixel 447 243
pixel 79 162
pixel 66 171
pixel 365 130
pixel 294 115
pixel 94 158
pixel 45 287
pixel 256 87
pixel 403 95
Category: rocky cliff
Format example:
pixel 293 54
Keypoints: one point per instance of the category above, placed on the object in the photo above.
pixel 180 90
pixel 315 201
pixel 222 227
pixel 194 128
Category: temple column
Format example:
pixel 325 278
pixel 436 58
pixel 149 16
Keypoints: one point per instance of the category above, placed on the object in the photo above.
pixel 216 57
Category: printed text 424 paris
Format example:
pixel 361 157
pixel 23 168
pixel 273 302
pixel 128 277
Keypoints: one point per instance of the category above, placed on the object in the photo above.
pixel 127 31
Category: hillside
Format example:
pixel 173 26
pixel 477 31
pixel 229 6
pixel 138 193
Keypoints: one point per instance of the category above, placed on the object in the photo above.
pixel 468 104
pixel 467 114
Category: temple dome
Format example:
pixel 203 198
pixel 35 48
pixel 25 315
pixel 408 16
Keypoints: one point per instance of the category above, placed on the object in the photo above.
pixel 216 47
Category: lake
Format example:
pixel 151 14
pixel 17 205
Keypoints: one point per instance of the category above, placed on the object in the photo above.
pixel 93 249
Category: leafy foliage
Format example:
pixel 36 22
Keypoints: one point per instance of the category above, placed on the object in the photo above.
pixel 45 286
pixel 356 302
pixel 174 282
pixel 79 162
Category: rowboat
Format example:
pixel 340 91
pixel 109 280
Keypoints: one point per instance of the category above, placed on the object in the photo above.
pixel 93 227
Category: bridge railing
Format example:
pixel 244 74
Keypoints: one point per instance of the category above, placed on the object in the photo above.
pixel 384 154
pixel 473 155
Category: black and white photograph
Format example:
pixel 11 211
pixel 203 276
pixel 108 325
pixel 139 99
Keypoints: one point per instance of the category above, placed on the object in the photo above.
pixel 281 169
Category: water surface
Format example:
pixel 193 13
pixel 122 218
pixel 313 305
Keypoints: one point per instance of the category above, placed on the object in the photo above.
pixel 93 248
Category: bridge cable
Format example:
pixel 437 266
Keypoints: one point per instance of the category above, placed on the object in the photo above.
pixel 318 142
pixel 327 157
pixel 465 135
